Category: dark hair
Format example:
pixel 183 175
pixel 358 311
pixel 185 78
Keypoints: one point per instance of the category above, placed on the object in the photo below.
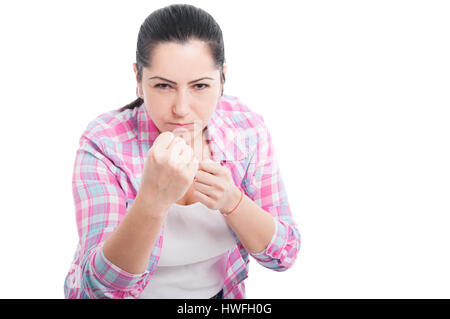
pixel 179 23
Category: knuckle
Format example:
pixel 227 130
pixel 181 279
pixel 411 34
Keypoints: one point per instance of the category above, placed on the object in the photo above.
pixel 163 137
pixel 179 140
pixel 168 134
pixel 214 196
pixel 154 155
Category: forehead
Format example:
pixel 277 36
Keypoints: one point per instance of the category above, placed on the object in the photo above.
pixel 172 58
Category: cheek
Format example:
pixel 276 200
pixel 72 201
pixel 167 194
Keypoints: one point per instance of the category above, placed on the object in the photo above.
pixel 158 98
pixel 157 115
pixel 205 109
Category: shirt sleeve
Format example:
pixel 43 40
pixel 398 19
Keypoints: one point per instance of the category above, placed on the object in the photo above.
pixel 264 185
pixel 100 205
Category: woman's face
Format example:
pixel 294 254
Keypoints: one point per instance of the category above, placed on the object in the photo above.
pixel 181 86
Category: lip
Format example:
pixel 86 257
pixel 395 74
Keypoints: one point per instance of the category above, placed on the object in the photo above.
pixel 181 125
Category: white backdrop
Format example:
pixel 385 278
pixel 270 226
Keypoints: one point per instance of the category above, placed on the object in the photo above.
pixel 355 95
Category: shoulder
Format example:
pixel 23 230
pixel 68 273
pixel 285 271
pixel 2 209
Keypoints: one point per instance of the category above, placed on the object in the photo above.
pixel 237 114
pixel 113 126
pixel 245 126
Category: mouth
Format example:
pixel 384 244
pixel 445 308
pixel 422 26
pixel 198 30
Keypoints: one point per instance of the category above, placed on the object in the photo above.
pixel 181 124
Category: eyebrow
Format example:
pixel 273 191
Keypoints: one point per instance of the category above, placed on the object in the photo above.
pixel 161 78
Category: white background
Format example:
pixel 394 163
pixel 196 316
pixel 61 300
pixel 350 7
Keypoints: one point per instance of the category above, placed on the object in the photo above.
pixel 355 95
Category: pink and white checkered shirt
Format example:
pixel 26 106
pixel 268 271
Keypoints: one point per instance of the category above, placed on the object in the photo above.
pixel 106 178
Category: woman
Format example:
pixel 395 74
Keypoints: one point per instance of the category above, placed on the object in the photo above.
pixel 174 191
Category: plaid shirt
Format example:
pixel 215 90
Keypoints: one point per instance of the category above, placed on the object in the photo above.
pixel 106 178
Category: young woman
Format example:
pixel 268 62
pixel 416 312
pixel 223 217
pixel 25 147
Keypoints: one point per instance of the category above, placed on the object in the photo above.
pixel 174 191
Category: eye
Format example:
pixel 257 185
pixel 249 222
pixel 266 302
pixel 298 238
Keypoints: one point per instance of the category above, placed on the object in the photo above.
pixel 202 86
pixel 162 86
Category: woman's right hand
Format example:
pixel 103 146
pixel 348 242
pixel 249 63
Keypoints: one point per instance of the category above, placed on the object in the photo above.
pixel 169 169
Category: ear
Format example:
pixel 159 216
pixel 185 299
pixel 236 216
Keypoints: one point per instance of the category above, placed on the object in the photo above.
pixel 138 86
pixel 224 69
pixel 135 69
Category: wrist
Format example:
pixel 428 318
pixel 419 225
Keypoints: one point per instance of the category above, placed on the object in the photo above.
pixel 233 201
pixel 150 204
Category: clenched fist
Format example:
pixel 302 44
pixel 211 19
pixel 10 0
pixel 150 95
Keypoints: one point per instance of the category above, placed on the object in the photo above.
pixel 169 169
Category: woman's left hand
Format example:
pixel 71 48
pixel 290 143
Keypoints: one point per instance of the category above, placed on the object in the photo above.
pixel 214 186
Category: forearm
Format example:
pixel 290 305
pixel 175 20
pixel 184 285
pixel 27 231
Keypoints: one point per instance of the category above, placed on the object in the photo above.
pixel 131 244
pixel 254 226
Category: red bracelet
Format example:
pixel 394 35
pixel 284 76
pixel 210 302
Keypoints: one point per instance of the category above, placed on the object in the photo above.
pixel 242 195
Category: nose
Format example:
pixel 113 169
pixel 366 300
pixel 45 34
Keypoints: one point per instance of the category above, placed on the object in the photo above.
pixel 181 107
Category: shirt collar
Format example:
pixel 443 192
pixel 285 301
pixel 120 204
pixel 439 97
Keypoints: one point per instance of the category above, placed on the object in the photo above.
pixel 225 139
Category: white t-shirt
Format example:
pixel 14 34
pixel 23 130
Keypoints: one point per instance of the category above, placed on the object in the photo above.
pixel 194 254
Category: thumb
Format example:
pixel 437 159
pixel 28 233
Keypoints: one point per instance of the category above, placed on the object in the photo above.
pixel 206 154
pixel 195 164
